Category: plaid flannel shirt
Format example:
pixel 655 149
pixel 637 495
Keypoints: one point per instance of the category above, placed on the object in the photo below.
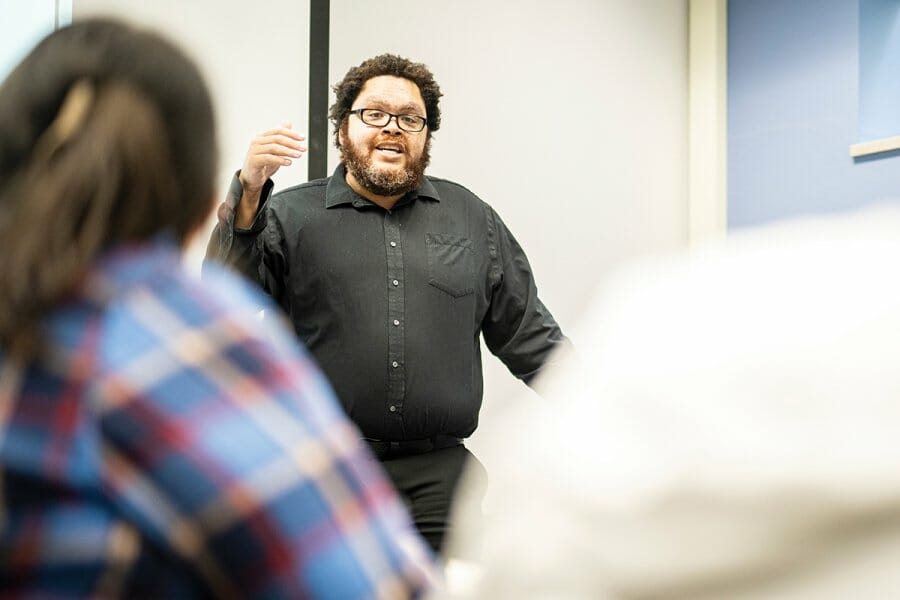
pixel 170 443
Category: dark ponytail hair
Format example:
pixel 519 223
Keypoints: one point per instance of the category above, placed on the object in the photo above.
pixel 106 136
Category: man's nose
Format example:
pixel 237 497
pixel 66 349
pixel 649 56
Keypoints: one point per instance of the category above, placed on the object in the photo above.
pixel 393 125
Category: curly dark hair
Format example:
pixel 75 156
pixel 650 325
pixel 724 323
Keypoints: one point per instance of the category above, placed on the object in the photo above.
pixel 385 64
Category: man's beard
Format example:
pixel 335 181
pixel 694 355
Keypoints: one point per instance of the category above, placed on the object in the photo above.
pixel 384 182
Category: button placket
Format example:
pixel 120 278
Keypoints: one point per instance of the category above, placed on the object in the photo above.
pixel 396 314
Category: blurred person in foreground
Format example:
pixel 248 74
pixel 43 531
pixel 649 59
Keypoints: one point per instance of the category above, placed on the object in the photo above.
pixel 729 430
pixel 156 438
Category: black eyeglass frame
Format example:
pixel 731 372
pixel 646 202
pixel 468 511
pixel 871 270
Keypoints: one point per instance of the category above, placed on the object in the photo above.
pixel 359 113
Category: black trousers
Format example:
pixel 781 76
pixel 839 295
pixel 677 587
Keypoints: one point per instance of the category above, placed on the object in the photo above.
pixel 427 482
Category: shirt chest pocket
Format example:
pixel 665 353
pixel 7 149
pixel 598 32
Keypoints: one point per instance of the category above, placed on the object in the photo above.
pixel 450 263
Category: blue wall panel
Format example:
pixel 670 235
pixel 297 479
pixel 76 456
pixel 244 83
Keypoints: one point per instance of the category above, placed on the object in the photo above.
pixel 879 69
pixel 793 80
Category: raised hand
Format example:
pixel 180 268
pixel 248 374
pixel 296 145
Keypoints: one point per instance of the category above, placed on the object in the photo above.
pixel 268 152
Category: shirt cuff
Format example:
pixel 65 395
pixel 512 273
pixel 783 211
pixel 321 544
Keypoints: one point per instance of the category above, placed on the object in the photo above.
pixel 233 197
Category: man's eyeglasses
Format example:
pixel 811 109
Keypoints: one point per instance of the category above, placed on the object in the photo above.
pixel 380 118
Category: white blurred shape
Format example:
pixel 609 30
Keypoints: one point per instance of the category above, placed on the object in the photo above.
pixel 728 430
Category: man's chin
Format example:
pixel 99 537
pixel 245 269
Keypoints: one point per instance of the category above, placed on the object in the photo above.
pixel 388 173
pixel 388 167
pixel 387 182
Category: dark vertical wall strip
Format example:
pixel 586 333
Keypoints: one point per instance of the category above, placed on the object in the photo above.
pixel 317 137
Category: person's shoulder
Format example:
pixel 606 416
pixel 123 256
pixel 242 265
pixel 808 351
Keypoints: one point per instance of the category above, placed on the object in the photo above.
pixel 451 191
pixel 310 193
pixel 169 305
pixel 227 290
pixel 452 187
pixel 316 186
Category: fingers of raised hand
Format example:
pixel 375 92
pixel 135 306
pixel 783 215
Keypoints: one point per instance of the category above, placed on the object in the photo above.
pixel 286 132
pixel 269 151
pixel 277 147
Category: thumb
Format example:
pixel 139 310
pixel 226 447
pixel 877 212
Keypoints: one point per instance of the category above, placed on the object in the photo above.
pixel 287 124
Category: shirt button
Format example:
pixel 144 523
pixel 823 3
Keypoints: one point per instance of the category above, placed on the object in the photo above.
pixel 396 323
pixel 392 408
pixel 395 364
pixel 395 282
pixel 393 244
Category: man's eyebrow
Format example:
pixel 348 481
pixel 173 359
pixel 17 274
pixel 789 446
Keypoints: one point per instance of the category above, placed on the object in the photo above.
pixel 411 109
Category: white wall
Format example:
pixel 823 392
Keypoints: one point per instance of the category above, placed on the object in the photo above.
pixel 22 24
pixel 568 117
pixel 254 57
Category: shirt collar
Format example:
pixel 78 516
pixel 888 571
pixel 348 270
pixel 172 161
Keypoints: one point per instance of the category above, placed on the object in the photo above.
pixel 338 192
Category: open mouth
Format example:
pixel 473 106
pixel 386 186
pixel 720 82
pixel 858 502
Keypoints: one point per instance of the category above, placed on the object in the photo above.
pixel 388 148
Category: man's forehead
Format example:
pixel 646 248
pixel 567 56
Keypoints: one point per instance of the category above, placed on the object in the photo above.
pixel 382 102
pixel 394 91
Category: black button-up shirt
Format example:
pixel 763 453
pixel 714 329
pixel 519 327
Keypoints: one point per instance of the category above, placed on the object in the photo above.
pixel 392 302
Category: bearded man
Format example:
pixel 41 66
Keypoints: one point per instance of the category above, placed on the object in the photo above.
pixel 390 277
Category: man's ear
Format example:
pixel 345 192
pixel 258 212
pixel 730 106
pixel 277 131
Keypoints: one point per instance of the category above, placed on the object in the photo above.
pixel 341 137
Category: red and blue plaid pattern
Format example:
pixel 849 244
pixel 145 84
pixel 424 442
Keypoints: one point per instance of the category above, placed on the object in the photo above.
pixel 170 443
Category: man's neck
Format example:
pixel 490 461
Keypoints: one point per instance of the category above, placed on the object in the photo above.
pixel 385 202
